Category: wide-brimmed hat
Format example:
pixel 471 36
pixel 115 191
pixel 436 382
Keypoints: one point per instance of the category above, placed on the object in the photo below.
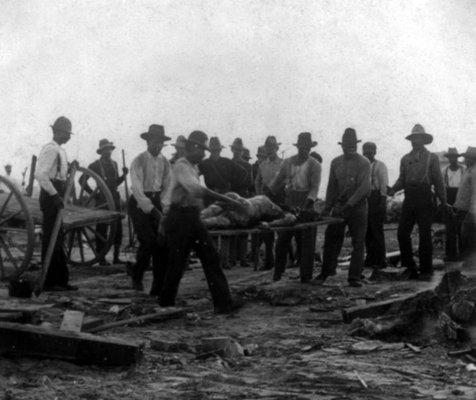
pixel 215 143
pixel 452 151
pixel 199 138
pixel 155 132
pixel 271 142
pixel 418 130
pixel 62 124
pixel 180 142
pixel 305 140
pixel 237 144
pixel 105 144
pixel 246 154
pixel 261 152
pixel 349 137
pixel 469 153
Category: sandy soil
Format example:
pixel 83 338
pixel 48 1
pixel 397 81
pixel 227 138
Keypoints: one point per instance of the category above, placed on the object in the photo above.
pixel 299 346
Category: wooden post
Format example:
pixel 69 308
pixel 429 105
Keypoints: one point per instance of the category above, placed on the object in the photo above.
pixel 31 179
pixel 56 229
pixel 126 188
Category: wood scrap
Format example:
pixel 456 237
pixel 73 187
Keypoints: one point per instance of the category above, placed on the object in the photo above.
pixel 162 315
pixel 72 321
pixel 362 382
pixel 80 348
pixel 91 322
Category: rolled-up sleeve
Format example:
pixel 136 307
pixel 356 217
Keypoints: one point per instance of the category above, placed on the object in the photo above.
pixel 46 160
pixel 185 178
pixel 137 185
pixel 315 181
pixel 382 176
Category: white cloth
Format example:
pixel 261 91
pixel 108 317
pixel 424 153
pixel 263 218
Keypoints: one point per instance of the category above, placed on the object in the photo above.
pixel 379 177
pixel 52 164
pixel 185 188
pixel 148 174
pixel 453 178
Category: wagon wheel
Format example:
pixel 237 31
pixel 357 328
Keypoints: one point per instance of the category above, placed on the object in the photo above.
pixel 89 191
pixel 17 232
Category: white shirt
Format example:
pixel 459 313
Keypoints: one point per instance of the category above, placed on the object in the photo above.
pixel 52 164
pixel 379 177
pixel 148 174
pixel 453 178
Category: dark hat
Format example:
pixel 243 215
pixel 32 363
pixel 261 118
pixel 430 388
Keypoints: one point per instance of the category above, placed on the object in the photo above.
pixel 271 142
pixel 62 124
pixel 246 154
pixel 237 144
pixel 261 152
pixel 155 132
pixel 180 142
pixel 418 130
pixel 305 140
pixel 199 138
pixel 452 151
pixel 469 153
pixel 105 144
pixel 349 137
pixel 215 143
pixel 316 156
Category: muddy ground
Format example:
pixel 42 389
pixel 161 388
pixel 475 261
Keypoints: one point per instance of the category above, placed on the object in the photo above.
pixel 298 346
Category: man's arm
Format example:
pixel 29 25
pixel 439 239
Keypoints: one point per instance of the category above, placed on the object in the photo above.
pixel 332 192
pixel 48 156
pixel 315 181
pixel 437 179
pixel 382 173
pixel 137 179
pixel 363 185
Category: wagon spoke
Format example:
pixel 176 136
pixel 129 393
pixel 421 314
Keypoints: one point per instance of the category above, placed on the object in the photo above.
pixel 97 234
pixel 8 253
pixel 3 221
pixel 91 197
pixel 80 243
pixel 4 206
pixel 70 244
pixel 90 242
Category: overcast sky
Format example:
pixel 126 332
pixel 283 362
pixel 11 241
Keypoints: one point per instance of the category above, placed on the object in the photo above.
pixel 237 68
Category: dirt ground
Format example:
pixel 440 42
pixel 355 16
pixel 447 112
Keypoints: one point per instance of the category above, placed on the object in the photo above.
pixel 298 346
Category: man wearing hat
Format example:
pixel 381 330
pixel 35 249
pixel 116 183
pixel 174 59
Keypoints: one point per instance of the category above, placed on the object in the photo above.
pixel 108 170
pixel 377 204
pixel 452 177
pixel 185 231
pixel 419 172
pixel 150 175
pixel 346 197
pixel 261 155
pixel 51 174
pixel 179 149
pixel 245 187
pixel 301 176
pixel 267 172
pixel 465 206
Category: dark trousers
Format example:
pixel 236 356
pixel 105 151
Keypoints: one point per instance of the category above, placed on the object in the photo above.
pixel 150 244
pixel 468 234
pixel 185 231
pixel 305 256
pixel 58 274
pixel 268 239
pixel 451 225
pixel 375 238
pixel 417 208
pixel 356 220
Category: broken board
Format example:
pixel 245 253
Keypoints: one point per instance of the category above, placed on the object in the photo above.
pixel 72 321
pixel 76 347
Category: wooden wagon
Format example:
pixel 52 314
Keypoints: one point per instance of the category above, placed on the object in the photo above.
pixel 20 224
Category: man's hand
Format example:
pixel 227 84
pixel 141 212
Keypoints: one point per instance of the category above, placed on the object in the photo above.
pixel 125 171
pixel 57 201
pixel 390 191
pixel 156 214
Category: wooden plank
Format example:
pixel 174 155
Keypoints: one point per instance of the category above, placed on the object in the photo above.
pixel 162 315
pixel 80 348
pixel 72 321
pixel 11 316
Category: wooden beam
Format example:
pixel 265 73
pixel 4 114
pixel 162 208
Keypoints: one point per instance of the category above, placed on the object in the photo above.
pixel 162 315
pixel 76 347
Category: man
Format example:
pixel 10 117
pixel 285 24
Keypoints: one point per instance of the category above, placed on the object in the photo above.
pixel 261 155
pixel 301 176
pixel 108 170
pixel 346 197
pixel 267 172
pixel 377 209
pixel 179 149
pixel 245 188
pixel 221 174
pixel 185 231
pixel 150 175
pixel 465 206
pixel 51 174
pixel 452 177
pixel 419 171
